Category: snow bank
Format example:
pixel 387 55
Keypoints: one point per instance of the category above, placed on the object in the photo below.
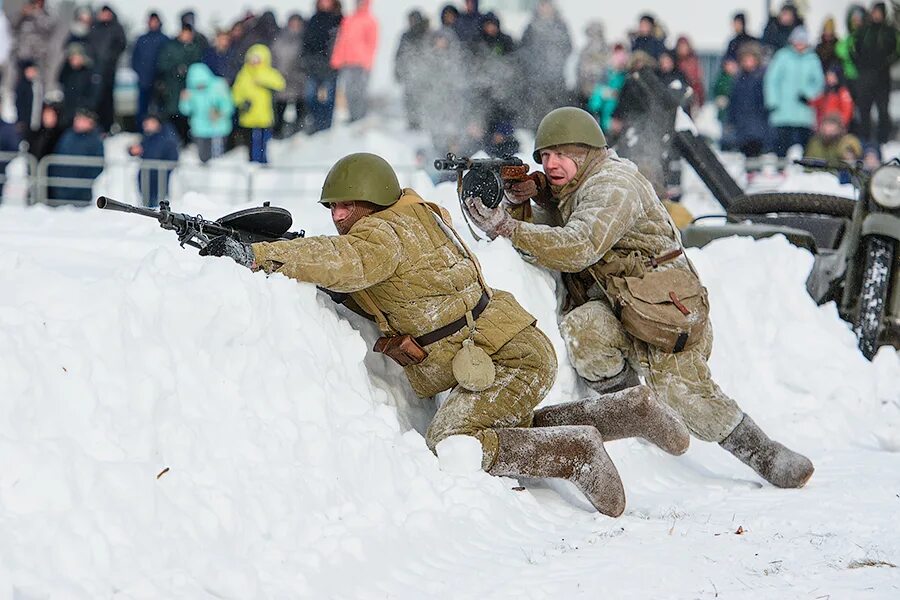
pixel 179 427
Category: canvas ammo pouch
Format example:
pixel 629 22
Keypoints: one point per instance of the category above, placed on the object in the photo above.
pixel 666 308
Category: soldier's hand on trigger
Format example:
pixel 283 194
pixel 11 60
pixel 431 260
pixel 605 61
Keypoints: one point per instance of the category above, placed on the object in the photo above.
pixel 522 190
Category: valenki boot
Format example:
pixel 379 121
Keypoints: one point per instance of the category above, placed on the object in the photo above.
pixel 634 412
pixel 775 463
pixel 572 453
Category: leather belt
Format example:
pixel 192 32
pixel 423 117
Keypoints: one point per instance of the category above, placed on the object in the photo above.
pixel 451 328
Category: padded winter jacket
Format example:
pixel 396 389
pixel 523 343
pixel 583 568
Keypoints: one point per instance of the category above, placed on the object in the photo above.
pixel 207 103
pixel 357 40
pixel 792 80
pixel 254 89
pixel 414 272
pixel 613 210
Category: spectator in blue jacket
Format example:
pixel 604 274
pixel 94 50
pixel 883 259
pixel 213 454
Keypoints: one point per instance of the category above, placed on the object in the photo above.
pixel 160 142
pixel 207 103
pixel 647 39
pixel 746 113
pixel 81 139
pixel 221 57
pixel 144 59
pixel 793 79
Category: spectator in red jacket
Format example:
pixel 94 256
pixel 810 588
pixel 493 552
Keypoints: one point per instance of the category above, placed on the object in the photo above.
pixel 687 62
pixel 354 55
pixel 836 98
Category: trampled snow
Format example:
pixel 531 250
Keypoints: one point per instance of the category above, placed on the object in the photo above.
pixel 178 427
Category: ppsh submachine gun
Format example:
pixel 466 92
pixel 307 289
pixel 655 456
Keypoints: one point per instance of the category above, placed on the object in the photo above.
pixel 483 177
pixel 259 224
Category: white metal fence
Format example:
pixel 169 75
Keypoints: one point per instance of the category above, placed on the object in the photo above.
pixel 135 180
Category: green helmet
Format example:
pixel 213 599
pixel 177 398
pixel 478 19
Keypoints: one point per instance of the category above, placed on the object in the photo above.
pixel 567 125
pixel 361 176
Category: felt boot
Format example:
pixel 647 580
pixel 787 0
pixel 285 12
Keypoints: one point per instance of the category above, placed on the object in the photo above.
pixel 774 462
pixel 634 412
pixel 573 453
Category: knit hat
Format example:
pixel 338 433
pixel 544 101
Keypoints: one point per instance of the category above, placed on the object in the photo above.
pixel 799 36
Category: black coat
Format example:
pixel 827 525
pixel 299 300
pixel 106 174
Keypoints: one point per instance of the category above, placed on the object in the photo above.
pixel 43 141
pixel 106 42
pixel 875 48
pixel 649 44
pixel 735 44
pixel 776 35
pixel 318 42
pixel 81 88
pixel 29 99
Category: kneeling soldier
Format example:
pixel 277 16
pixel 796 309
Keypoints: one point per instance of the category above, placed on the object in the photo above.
pixel 401 262
pixel 635 304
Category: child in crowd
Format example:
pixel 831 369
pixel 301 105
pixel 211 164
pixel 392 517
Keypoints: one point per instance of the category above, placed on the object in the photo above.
pixel 159 142
pixel 253 93
pixel 836 98
pixel 207 102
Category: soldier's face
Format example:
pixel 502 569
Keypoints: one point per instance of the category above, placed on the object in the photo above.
pixel 346 214
pixel 559 168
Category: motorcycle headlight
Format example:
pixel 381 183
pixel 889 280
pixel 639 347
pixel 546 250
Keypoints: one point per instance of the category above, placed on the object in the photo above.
pixel 885 187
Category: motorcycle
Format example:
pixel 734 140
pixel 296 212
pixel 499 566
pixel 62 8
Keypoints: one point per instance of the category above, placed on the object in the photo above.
pixel 855 244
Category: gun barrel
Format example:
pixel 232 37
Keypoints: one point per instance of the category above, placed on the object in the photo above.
pixel 109 204
pixel 463 163
pixel 443 164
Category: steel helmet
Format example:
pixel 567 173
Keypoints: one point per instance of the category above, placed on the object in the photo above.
pixel 567 125
pixel 361 176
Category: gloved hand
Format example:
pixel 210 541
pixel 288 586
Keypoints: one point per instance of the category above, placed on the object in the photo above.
pixel 224 245
pixel 492 221
pixel 245 107
pixel 520 192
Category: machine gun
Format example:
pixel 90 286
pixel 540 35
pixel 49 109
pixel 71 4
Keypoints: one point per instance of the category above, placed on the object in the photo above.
pixel 261 224
pixel 483 177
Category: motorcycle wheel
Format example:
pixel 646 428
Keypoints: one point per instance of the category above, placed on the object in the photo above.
pixel 821 204
pixel 876 280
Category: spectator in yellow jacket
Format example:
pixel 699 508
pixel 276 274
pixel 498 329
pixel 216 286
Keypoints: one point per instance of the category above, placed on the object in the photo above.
pixel 253 94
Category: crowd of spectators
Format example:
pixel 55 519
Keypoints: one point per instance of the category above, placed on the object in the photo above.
pixel 234 88
pixel 465 80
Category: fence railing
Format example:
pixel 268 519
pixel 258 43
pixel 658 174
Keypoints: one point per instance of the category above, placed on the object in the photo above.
pixel 146 182
pixel 51 180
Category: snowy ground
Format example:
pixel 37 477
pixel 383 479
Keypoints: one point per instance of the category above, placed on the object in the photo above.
pixel 182 428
